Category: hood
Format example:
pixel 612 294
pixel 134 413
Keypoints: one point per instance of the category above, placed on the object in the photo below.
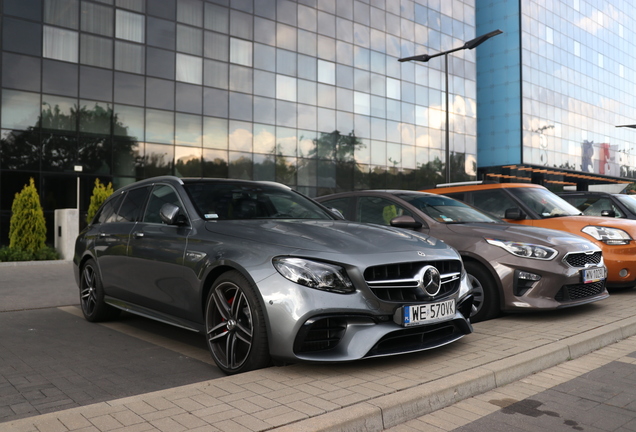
pixel 575 224
pixel 327 236
pixel 518 233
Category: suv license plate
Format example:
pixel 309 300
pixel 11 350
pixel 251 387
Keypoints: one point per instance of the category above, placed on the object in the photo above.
pixel 593 275
pixel 428 313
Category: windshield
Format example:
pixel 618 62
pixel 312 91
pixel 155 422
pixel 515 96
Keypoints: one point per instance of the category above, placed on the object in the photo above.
pixel 544 202
pixel 446 210
pixel 628 201
pixel 232 201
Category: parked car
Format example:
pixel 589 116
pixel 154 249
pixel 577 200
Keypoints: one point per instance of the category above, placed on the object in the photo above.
pixel 595 203
pixel 534 205
pixel 266 273
pixel 511 267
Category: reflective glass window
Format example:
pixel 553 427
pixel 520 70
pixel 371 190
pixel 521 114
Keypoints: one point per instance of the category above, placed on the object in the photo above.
pixel 286 88
pixel 215 74
pixel 189 40
pixel 264 84
pixel 97 19
pixel 264 31
pixel 307 92
pixel 326 96
pixel 241 52
pixel 21 36
pixel 286 62
pixel 264 8
pixel 128 122
pixel 161 33
pixel 217 18
pixel 286 37
pixel 159 126
pixel 241 25
pixel 286 113
pixel 60 44
pixel 96 51
pixel 264 139
pixel 160 93
pixel 217 46
pixel 129 89
pixel 307 18
pixel 264 110
pixel 264 167
pixel 129 57
pixel 189 98
pixel 240 166
pixel 307 67
pixel 307 144
pixel 59 113
pixel 362 103
pixel 63 13
pixel 265 57
pixel 190 12
pixel 307 116
pixel 20 110
pixel 158 160
pixel 326 72
pixel 240 135
pixel 215 163
pixel 59 77
pixel 29 9
pixel 95 117
pixel 241 79
pixel 189 69
pixel 215 133
pixel 130 26
pixel 21 72
pixel 188 161
pixel 241 106
pixel 215 102
pixel 307 43
pixel 188 130
pixel 136 5
pixel 160 63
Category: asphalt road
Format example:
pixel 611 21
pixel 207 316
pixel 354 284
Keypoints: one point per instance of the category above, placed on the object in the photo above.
pixel 52 359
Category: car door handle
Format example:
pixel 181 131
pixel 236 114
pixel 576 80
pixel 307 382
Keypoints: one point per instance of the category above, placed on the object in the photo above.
pixel 138 234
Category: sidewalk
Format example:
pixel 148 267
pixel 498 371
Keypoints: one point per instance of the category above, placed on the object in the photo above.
pixel 368 395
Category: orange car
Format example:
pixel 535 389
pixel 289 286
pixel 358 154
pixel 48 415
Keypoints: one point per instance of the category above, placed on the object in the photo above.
pixel 534 205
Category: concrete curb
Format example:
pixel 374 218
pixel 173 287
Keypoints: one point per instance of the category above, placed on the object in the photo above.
pixel 402 406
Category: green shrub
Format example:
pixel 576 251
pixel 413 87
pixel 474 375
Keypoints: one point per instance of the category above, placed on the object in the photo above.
pixel 100 193
pixel 14 254
pixel 27 228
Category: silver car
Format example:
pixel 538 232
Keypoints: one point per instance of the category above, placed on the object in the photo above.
pixel 268 275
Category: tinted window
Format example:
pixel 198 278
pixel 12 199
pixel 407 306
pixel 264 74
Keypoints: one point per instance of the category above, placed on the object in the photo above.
pixel 494 201
pixel 227 200
pixel 379 210
pixel 340 204
pixel 130 210
pixel 593 205
pixel 107 213
pixel 161 194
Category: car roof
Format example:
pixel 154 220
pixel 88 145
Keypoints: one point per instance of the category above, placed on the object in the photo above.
pixel 449 188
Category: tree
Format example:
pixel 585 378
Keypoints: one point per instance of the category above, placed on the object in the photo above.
pixel 100 193
pixel 27 228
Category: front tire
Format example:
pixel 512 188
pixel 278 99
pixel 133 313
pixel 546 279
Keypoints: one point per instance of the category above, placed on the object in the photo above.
pixel 485 293
pixel 92 295
pixel 235 325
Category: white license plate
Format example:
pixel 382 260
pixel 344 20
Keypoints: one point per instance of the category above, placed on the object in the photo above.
pixel 428 313
pixel 594 275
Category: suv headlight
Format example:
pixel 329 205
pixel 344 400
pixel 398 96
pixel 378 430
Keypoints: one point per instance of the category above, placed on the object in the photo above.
pixel 610 236
pixel 314 274
pixel 525 250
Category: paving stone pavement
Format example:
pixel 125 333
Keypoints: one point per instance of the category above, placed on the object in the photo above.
pixel 368 395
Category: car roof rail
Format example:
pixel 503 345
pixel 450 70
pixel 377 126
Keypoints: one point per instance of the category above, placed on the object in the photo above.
pixel 466 183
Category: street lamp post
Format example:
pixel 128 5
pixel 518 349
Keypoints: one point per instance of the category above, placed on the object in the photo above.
pixel 471 44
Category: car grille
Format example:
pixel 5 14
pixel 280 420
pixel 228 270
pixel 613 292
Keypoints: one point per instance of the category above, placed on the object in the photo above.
pixel 582 259
pixel 320 334
pixel 579 291
pixel 399 282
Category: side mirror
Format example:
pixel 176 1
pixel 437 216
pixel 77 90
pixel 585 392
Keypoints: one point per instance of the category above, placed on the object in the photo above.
pixel 608 213
pixel 337 213
pixel 514 213
pixel 169 214
pixel 405 222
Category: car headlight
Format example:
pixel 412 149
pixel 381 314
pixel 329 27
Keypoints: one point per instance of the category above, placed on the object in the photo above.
pixel 610 236
pixel 525 250
pixel 314 274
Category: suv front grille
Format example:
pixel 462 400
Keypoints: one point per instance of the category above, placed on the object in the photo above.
pixel 579 291
pixel 582 259
pixel 400 282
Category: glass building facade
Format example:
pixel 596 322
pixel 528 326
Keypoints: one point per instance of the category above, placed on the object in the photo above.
pixel 553 91
pixel 308 93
